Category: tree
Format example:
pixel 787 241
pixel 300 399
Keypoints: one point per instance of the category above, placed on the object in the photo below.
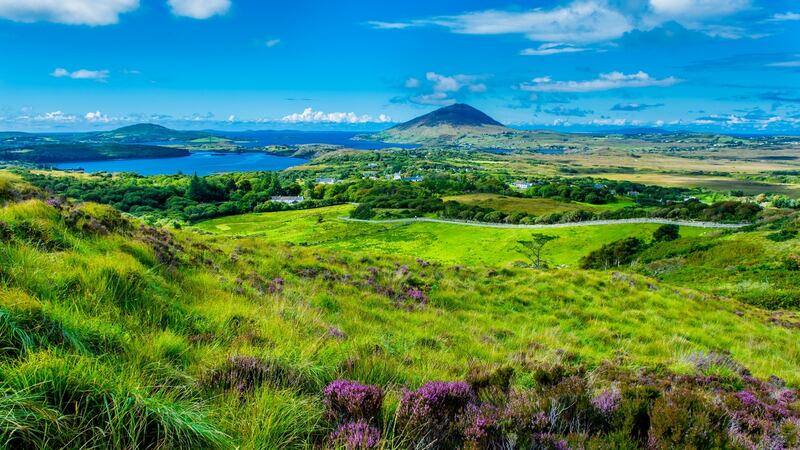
pixel 533 248
pixel 666 233
pixel 614 254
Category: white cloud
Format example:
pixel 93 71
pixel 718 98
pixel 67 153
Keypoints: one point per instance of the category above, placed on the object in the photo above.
pixel 552 48
pixel 589 21
pixel 697 9
pixel 81 74
pixel 606 81
pixel 96 116
pixel 272 43
pixel 580 21
pixel 412 83
pixel 70 12
pixel 377 24
pixel 199 9
pixel 55 116
pixel 438 89
pixel 785 17
pixel 232 118
pixel 455 83
pixel 309 115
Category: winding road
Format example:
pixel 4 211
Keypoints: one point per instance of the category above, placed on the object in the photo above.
pixel 587 223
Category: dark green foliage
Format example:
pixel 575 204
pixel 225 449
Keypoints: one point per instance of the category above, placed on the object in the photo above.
pixel 615 254
pixel 782 236
pixel 363 212
pixel 666 233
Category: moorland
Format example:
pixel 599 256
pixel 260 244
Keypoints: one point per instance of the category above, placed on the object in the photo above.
pixel 245 310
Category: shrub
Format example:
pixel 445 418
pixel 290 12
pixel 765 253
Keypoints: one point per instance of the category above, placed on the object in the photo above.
pixel 666 233
pixel 352 401
pixel 682 418
pixel 363 212
pixel 427 416
pixel 614 254
pixel 358 435
pixel 782 236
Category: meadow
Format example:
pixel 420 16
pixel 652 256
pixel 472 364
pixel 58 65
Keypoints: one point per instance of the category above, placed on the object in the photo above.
pixel 446 243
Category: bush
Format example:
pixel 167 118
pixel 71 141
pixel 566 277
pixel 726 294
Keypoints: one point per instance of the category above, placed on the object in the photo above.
pixel 614 254
pixel 351 401
pixel 782 236
pixel 362 212
pixel 427 416
pixel 666 233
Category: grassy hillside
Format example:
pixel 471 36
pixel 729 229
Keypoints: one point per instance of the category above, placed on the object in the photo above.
pixel 120 335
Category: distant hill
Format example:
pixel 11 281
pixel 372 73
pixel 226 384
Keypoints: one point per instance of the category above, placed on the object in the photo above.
pixel 145 132
pixel 71 152
pixel 446 125
pixel 458 115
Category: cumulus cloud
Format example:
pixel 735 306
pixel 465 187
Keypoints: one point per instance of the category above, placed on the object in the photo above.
pixel 606 81
pixel 696 9
pixel 96 116
pixel 81 74
pixel 634 106
pixel 309 115
pixel 553 48
pixel 199 9
pixel 272 43
pixel 440 90
pixel 70 12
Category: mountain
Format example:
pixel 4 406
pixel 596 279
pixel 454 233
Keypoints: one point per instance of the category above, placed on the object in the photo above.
pixel 447 125
pixel 146 132
pixel 458 115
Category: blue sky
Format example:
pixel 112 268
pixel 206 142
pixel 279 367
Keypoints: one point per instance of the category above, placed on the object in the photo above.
pixel 717 65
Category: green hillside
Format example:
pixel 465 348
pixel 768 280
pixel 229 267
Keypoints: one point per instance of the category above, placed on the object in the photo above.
pixel 116 334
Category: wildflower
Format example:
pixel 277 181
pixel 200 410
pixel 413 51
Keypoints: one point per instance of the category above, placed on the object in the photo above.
pixel 356 435
pixel 349 400
pixel 607 401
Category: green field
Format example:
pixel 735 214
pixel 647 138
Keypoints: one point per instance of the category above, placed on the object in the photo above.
pixel 447 243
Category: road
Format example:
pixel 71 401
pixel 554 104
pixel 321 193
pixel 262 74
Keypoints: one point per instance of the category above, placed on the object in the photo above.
pixel 588 223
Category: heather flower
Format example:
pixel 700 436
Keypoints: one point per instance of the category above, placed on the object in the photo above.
pixel 417 295
pixel 423 263
pixel 482 427
pixel 55 202
pixel 276 285
pixel 607 401
pixel 429 412
pixel 348 400
pixel 356 436
pixel 336 333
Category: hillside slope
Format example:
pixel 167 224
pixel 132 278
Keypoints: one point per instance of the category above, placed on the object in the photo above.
pixel 120 335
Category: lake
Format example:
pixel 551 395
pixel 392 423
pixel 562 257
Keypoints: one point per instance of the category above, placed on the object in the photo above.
pixel 202 163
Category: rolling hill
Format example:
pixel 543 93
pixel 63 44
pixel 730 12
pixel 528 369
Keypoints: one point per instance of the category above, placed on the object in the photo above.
pixel 145 132
pixel 115 334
